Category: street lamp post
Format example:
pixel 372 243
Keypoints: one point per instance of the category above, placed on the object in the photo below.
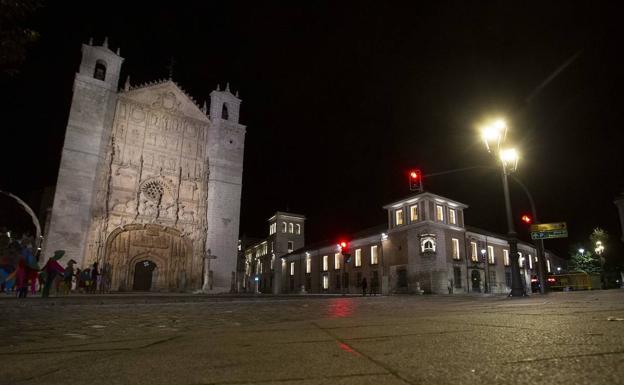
pixel 493 135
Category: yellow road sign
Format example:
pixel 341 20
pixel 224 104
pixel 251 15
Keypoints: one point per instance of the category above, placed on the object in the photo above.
pixel 549 226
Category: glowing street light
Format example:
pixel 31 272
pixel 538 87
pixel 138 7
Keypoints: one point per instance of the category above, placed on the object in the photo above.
pixel 599 248
pixel 494 133
pixel 581 250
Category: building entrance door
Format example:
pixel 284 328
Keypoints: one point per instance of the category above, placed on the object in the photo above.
pixel 143 275
pixel 476 281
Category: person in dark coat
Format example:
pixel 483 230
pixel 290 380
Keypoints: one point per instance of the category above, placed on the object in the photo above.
pixel 364 286
pixel 95 273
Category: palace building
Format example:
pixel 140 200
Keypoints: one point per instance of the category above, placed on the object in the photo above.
pixel 424 247
pixel 149 184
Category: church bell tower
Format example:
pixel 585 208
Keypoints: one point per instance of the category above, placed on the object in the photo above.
pixel 87 134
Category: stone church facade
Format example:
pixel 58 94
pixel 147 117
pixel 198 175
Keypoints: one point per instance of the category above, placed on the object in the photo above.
pixel 150 183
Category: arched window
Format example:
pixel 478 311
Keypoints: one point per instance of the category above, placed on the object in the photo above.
pixel 100 70
pixel 427 243
pixel 224 112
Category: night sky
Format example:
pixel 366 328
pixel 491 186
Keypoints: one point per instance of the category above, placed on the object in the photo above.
pixel 341 98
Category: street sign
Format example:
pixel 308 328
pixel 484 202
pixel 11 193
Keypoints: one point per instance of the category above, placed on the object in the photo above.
pixel 549 226
pixel 549 234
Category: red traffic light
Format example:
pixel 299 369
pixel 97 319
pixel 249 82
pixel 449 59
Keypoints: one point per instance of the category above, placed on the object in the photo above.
pixel 526 219
pixel 343 244
pixel 415 180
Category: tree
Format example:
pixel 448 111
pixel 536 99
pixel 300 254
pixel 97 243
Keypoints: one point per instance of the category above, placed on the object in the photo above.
pixel 585 261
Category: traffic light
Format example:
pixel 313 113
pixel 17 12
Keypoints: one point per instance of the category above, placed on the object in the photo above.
pixel 415 180
pixel 526 219
pixel 345 251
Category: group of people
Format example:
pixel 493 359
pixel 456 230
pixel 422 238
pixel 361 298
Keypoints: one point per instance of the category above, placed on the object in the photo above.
pixel 25 276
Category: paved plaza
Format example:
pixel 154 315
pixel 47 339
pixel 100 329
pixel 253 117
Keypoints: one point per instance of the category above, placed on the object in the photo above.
pixel 562 338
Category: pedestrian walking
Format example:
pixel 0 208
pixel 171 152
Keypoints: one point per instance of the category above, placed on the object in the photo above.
pixel 364 286
pixel 95 273
pixel 21 279
pixel 52 269
pixel 68 275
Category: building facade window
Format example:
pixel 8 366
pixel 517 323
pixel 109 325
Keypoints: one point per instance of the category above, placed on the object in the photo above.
pixel 297 228
pixel 358 257
pixel 508 278
pixel 506 257
pixel 374 255
pixel 325 281
pixel 455 248
pixel 290 246
pixel 398 217
pixel 273 262
pixel 520 259
pixel 308 265
pixel 337 261
pixel 548 265
pixel 452 217
pixel 272 228
pixel 530 261
pixel 490 255
pixel 292 268
pixel 492 277
pixel 439 213
pixel 325 262
pixel 427 243
pixel 457 277
pixel 283 227
pixel 473 252
pixel 414 213
pixel 291 228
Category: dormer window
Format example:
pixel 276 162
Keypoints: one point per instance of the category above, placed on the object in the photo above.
pixel 100 70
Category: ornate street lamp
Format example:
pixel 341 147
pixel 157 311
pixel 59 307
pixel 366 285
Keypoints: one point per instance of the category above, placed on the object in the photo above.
pixel 493 134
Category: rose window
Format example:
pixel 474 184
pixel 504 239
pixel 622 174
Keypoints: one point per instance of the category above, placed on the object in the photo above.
pixel 153 190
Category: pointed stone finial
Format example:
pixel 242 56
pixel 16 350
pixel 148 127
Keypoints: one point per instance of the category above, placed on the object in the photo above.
pixel 105 43
pixel 236 93
pixel 218 87
pixel 118 51
pixel 227 87
pixel 127 85
pixel 90 41
pixel 204 107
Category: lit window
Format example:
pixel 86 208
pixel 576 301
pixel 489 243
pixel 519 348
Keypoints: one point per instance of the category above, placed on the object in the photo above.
pixel 272 228
pixel 452 216
pixel 530 261
pixel 491 254
pixel 374 255
pixel 455 245
pixel 337 261
pixel 414 213
pixel 520 259
pixel 283 227
pixel 473 252
pixel 325 282
pixel 439 213
pixel 398 217
pixel 548 265
pixel 427 243
pixel 506 257
pixel 290 246
pixel 358 257
pixel 325 262
pixel 292 268
pixel 308 265
pixel 291 228
pixel 272 262
pixel 297 229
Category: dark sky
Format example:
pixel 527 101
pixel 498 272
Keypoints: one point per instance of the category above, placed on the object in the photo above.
pixel 340 99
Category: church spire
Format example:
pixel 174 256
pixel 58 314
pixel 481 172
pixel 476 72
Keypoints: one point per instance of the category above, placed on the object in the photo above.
pixel 105 43
pixel 227 87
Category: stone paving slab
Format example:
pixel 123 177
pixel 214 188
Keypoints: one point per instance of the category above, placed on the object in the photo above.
pixel 572 338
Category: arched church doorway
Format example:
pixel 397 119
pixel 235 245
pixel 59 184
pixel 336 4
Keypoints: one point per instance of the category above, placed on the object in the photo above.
pixel 476 280
pixel 143 275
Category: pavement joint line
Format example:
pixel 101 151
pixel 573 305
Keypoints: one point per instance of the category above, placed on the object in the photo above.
pixel 35 352
pixel 540 359
pixel 390 370
pixel 337 376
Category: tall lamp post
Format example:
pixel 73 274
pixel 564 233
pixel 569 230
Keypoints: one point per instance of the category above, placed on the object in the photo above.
pixel 493 135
